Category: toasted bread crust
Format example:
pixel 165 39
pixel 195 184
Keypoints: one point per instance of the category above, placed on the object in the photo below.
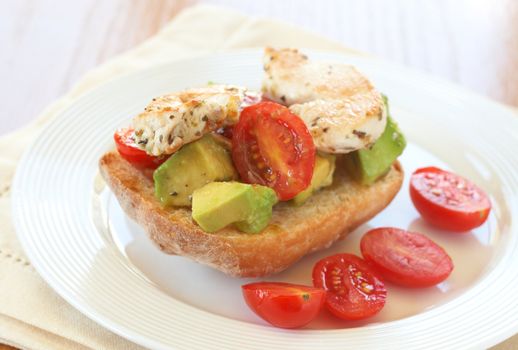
pixel 293 232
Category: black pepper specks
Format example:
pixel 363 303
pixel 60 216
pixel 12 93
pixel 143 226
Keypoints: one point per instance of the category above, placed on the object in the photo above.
pixel 360 134
pixel 283 98
pixel 173 194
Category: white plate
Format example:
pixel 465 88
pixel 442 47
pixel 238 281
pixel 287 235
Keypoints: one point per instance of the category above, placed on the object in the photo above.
pixel 79 240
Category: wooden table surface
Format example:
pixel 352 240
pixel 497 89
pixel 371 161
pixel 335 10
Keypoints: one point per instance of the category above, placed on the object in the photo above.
pixel 47 45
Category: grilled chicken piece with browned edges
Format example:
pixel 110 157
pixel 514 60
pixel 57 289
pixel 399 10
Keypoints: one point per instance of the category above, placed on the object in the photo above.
pixel 341 108
pixel 172 120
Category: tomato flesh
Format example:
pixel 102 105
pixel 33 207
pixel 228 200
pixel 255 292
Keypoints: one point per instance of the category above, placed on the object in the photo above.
pixel 128 150
pixel 448 201
pixel 406 258
pixel 354 291
pixel 273 147
pixel 284 305
pixel 226 132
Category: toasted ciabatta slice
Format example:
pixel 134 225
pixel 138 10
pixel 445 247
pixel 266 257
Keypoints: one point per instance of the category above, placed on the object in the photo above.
pixel 293 232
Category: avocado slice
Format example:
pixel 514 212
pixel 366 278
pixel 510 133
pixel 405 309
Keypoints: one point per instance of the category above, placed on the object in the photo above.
pixel 322 177
pixel 193 166
pixel 259 216
pixel 368 165
pixel 219 204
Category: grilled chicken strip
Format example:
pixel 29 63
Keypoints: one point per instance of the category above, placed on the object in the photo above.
pixel 172 120
pixel 341 108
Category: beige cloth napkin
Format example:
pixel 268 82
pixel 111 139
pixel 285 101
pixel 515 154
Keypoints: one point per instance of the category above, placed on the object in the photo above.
pixel 32 315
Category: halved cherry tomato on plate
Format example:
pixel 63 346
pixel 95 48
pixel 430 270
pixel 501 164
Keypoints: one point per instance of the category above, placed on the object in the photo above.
pixel 448 201
pixel 271 146
pixel 284 305
pixel 128 150
pixel 406 258
pixel 354 291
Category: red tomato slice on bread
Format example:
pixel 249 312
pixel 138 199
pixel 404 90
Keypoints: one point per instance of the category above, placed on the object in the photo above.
pixel 271 146
pixel 128 150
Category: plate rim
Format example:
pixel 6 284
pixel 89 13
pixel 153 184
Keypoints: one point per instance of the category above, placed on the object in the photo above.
pixel 122 330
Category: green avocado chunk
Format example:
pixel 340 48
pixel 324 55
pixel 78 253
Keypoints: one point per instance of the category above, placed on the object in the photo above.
pixel 259 217
pixel 219 204
pixel 193 166
pixel 322 177
pixel 368 165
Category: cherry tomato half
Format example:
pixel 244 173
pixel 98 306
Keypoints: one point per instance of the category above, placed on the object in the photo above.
pixel 273 147
pixel 353 289
pixel 284 305
pixel 406 258
pixel 448 201
pixel 128 150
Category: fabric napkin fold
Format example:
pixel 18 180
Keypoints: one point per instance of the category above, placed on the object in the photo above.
pixel 32 315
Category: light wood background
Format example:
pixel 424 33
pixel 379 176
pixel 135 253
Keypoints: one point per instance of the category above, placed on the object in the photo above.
pixel 46 45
